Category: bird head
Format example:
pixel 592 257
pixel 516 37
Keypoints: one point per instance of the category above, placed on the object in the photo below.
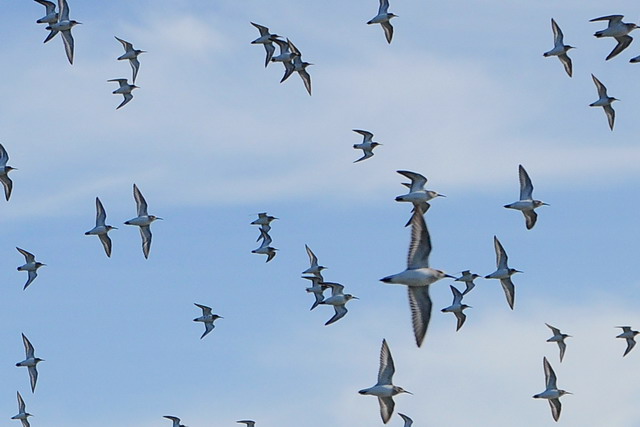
pixel 397 390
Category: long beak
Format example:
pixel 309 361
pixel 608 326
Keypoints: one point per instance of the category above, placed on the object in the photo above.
pixel 408 392
pixel 441 195
pixel 159 218
pixel 450 276
pixel 355 298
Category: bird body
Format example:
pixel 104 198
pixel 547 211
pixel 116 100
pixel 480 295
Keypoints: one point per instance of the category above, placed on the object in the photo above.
pixel 503 272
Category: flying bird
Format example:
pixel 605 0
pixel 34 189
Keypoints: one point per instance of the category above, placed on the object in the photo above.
pixel 132 55
pixel 338 300
pixel 417 194
pixel 367 145
pixel 457 307
pixel 264 248
pixel 384 389
pixel 418 276
pixel 317 289
pixel 468 278
pixel 143 220
pixel 51 16
pixel 265 39
pixel 4 172
pixel 207 318
pixel 503 272
pixel 559 338
pixel 31 265
pixel 285 50
pixel 313 260
pixel 560 49
pixel 526 204
pixel 125 90
pixel 22 412
pixel 30 362
pixel 175 420
pixel 101 229
pixel 384 19
pixel 297 65
pixel 64 26
pixel 629 335
pixel 551 392
pixel 604 101
pixel 618 30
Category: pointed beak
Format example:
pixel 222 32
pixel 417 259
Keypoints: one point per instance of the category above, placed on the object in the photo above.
pixel 518 271
pixel 441 195
pixel 160 218
pixel 408 392
pixel 355 298
pixel 449 276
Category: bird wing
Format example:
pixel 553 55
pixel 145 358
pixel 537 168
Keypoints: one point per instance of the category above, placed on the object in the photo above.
pixel 384 7
pixel 563 348
pixel 271 255
pixel 418 181
pixel 501 255
pixel 420 245
pixel 366 134
pixel 63 9
pixel 630 344
pixel 283 45
pixel 336 288
pixel 127 46
pixel 407 421
pixel 28 256
pixel 263 30
pixel 457 296
pixel 208 327
pixel 611 18
pixel 386 408
pixel 4 156
pixel 106 243
pixel 101 214
pixel 388 30
pixel 7 184
pixel 67 38
pixel 555 331
pixel 530 218
pixel 340 310
pixel 135 66
pixel 420 303
pixel 549 376
pixel 461 318
pixel 141 203
pixel 206 311
pixel 28 348
pixel 526 187
pixel 509 291
pixel 623 43
pixel 127 97
pixel 367 154
pixel 556 407
pixel 145 233
pixel 306 79
pixel 270 49
pixel 557 34
pixel 387 368
pixel 21 404
pixel 51 7
pixel 312 257
pixel 611 115
pixel 288 70
pixel 602 90
pixel 566 62
pixel 33 376
pixel 266 239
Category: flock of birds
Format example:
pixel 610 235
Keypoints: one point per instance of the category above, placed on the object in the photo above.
pixel 418 274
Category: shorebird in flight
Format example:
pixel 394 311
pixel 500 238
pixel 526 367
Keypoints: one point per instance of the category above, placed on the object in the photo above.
pixel 63 25
pixel 31 266
pixel 265 39
pixel 125 90
pixel 457 307
pixel 559 338
pixel 367 145
pixel 338 300
pixel 22 412
pixel 384 389
pixel 207 318
pixel 560 49
pixel 604 101
pixel 551 392
pixel 143 220
pixel 468 278
pixel 418 275
pixel 384 19
pixel 4 173
pixel 132 55
pixel 503 272
pixel 101 229
pixel 526 204
pixel 629 335
pixel 618 30
pixel 30 362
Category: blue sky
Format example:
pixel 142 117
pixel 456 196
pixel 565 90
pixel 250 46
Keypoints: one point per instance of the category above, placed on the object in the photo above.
pixel 462 95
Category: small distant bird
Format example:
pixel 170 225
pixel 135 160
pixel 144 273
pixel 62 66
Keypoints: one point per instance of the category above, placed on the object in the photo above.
pixel 101 229
pixel 367 145
pixel 249 423
pixel 264 248
pixel 4 172
pixel 560 49
pixel 22 412
pixel 143 220
pixel 176 421
pixel 297 65
pixel 629 335
pixel 384 19
pixel 132 55
pixel 313 260
pixel 408 422
pixel 551 392
pixel 285 50
pixel 457 307
pixel 559 338
pixel 604 101
pixel 468 278
pixel 317 289
pixel 64 26
pixel 618 30
pixel 384 389
pixel 264 219
pixel 207 318
pixel 526 204
pixel 31 266
pixel 266 40
pixel 338 300
pixel 418 276
pixel 125 90
pixel 51 16
pixel 30 362
pixel 503 272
